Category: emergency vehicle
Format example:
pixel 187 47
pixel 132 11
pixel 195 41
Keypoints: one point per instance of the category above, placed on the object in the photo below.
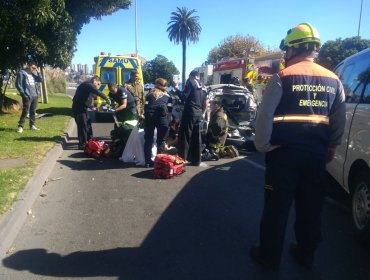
pixel 115 69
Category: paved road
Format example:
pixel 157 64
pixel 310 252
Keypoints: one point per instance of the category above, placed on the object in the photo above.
pixel 103 219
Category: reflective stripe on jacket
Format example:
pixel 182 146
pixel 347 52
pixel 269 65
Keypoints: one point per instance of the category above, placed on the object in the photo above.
pixel 301 118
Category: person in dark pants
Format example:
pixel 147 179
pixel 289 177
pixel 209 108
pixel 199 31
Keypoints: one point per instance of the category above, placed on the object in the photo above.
pixel 189 141
pixel 81 101
pixel 26 84
pixel 300 122
pixel 157 112
pixel 124 102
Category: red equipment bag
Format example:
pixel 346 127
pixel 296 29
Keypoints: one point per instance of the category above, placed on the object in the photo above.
pixel 167 166
pixel 97 148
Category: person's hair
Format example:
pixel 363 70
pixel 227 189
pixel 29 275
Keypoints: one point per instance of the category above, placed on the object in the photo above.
pixel 95 78
pixel 31 62
pixel 160 87
pixel 112 85
pixel 133 72
pixel 194 73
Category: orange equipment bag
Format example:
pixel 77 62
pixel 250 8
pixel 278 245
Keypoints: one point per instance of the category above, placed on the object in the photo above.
pixel 97 148
pixel 167 166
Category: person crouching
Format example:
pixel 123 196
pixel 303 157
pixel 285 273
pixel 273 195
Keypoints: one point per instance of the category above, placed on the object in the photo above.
pixel 157 112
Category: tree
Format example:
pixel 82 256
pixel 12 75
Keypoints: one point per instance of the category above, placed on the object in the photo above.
pixel 45 31
pixel 159 67
pixel 237 46
pixel 183 28
pixel 333 52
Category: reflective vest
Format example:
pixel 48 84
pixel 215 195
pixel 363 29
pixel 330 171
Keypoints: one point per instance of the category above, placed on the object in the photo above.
pixel 302 117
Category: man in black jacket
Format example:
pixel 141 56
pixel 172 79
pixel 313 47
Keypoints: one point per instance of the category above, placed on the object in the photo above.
pixel 196 103
pixel 81 101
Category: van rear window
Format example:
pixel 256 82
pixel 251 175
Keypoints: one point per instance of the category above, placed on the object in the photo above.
pixel 108 75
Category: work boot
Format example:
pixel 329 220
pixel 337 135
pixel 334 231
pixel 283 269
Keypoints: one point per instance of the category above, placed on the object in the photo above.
pixel 256 255
pixel 301 256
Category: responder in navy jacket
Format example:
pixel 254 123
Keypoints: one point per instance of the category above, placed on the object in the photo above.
pixel 157 112
pixel 300 122
pixel 81 101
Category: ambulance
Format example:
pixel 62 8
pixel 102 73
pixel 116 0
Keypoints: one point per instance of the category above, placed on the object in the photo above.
pixel 115 69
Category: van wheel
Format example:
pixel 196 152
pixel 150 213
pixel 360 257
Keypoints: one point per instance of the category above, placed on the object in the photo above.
pixel 360 199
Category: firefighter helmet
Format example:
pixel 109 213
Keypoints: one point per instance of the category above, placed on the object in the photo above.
pixel 303 34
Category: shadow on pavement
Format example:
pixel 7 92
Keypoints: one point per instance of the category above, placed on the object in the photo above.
pixel 205 233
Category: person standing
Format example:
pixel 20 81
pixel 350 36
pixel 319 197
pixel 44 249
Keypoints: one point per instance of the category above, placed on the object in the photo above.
pixel 157 111
pixel 26 84
pixel 136 89
pixel 300 122
pixel 81 101
pixel 125 107
pixel 189 141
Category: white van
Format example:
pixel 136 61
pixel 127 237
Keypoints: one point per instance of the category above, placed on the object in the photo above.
pixel 351 165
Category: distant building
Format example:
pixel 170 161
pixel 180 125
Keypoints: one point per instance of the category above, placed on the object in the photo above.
pixel 205 74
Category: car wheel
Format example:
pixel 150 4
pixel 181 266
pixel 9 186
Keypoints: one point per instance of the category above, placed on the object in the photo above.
pixel 360 199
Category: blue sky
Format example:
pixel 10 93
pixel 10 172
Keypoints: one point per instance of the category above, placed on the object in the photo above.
pixel 266 20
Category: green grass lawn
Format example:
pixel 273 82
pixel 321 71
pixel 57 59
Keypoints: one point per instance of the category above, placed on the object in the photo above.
pixel 32 146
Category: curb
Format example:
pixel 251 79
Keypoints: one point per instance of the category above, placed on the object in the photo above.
pixel 12 221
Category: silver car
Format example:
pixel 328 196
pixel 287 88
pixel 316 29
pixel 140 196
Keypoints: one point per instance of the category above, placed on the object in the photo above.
pixel 351 165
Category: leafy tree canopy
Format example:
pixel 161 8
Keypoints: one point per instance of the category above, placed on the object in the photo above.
pixel 333 52
pixel 159 67
pixel 237 46
pixel 46 30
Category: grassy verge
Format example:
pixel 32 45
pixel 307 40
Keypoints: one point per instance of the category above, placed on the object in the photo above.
pixel 30 146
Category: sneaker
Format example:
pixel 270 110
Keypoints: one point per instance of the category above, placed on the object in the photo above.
pixel 256 255
pixel 302 257
pixel 20 129
pixel 33 127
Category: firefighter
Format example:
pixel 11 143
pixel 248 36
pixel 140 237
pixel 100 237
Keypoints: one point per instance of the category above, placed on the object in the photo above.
pixel 300 122
pixel 217 129
pixel 189 141
pixel 157 112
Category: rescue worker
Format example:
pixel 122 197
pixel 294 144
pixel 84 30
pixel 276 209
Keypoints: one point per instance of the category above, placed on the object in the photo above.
pixel 81 101
pixel 300 122
pixel 125 106
pixel 189 141
pixel 157 112
pixel 136 89
pixel 217 130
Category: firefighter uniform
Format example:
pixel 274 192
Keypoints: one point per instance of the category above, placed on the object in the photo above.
pixel 302 116
pixel 217 131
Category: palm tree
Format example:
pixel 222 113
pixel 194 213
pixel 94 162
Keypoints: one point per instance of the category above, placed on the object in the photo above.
pixel 184 27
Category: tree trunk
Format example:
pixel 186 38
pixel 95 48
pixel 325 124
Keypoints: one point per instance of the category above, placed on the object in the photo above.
pixel 7 105
pixel 183 63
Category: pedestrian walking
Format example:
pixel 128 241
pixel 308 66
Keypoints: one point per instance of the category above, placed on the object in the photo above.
pixel 157 111
pixel 82 100
pixel 27 84
pixel 189 141
pixel 300 122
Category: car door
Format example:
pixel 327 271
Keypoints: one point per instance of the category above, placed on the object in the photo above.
pixel 351 74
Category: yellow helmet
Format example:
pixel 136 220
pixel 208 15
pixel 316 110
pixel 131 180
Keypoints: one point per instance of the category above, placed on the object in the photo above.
pixel 302 34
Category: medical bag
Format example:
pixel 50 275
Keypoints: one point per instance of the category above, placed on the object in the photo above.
pixel 167 166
